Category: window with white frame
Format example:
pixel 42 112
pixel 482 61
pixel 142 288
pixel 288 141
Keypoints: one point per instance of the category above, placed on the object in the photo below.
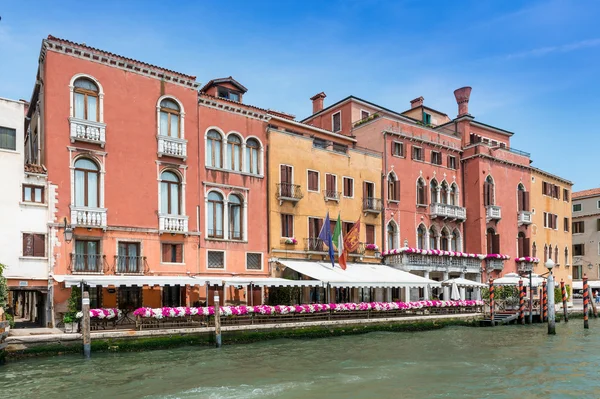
pixel 348 187
pixel 253 261
pixel 214 153
pixel 215 215
pixel 170 194
pixel 234 153
pixel 170 118
pixel 87 183
pixel 252 156
pixel 215 260
pixel 235 217
pixel 86 100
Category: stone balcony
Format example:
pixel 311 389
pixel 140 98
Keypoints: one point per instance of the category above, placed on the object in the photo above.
pixel 444 263
pixel 176 224
pixel 524 218
pixel 87 131
pixel 82 216
pixel 172 147
pixel 493 212
pixel 447 211
pixel 494 265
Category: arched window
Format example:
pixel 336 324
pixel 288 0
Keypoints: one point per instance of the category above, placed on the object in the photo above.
pixel 421 233
pixel 556 259
pixel 432 238
pixel 87 183
pixel 235 217
pixel 213 149
pixel 522 198
pixel 391 236
pixel 445 241
pixel 393 188
pixel 454 244
pixel 488 191
pixel 522 246
pixel 421 192
pixel 434 191
pixel 252 159
pixel 169 118
pixel 234 152
pixel 453 194
pixel 545 253
pixel 493 242
pixel 534 250
pixel 170 194
pixel 566 256
pixel 444 193
pixel 85 100
pixel 215 215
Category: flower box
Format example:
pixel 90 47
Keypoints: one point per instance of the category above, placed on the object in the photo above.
pixel 291 241
pixel 439 252
pixel 371 247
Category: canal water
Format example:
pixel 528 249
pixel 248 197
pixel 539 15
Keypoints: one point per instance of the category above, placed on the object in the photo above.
pixel 456 362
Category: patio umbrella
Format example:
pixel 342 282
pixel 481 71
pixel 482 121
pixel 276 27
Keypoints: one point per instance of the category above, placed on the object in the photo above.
pixel 455 296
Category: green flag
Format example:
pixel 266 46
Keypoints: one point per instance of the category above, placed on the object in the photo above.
pixel 338 240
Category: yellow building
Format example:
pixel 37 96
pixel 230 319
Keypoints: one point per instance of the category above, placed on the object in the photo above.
pixel 551 235
pixel 311 172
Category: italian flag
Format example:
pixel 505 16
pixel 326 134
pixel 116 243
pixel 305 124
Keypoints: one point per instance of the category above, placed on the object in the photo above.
pixel 338 240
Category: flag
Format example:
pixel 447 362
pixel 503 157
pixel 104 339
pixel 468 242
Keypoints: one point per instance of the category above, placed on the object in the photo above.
pixel 351 241
pixel 325 236
pixel 338 239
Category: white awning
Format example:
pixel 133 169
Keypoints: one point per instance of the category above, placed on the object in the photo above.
pixel 270 282
pixel 359 275
pixel 578 285
pixel 462 282
pixel 513 279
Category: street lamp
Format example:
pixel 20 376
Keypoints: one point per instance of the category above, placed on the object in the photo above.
pixel 68 232
pixel 550 288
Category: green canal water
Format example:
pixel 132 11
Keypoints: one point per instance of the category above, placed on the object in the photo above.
pixel 455 362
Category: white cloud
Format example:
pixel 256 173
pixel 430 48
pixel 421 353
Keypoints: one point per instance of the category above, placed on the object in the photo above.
pixel 542 51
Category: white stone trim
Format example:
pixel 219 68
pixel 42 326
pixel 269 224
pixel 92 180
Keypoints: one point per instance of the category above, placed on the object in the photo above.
pixel 100 95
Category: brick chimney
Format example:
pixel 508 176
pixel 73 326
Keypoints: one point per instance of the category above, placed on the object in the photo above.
pixel 417 102
pixel 462 99
pixel 317 101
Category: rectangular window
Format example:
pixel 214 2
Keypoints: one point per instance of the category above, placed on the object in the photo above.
pixel 566 224
pixel 313 180
pixel 576 207
pixel 426 118
pixel 287 225
pixel 398 149
pixel 215 260
pixel 597 224
pixel 346 227
pixel 33 194
pixel 565 195
pixel 370 233
pixel 578 227
pixel 348 187
pixel 172 253
pixel 254 261
pixel 129 259
pixel 319 143
pixel 545 219
pixel 8 138
pixel 451 162
pixel 577 272
pixel 417 153
pixel 598 206
pixel 331 186
pixel 341 148
pixel 578 249
pixel 436 158
pixel 228 94
pixel 336 122
pixel 34 245
pixel 87 256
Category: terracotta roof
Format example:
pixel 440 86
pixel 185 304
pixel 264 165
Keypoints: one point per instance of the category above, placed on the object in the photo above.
pixel 81 45
pixel 229 79
pixel 586 193
pixel 37 169
pixel 234 102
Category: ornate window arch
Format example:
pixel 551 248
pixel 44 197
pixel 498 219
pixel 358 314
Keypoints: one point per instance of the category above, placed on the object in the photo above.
pixel 234 152
pixel 236 216
pixel 170 115
pixel 489 191
pixel 215 214
pixel 392 235
pixel 456 242
pixel 214 138
pixel 170 193
pixel 422 236
pixel 421 192
pixel 393 187
pixel 434 191
pixel 454 198
pixel 86 183
pixel 86 98
pixel 445 239
pixel 433 237
pixel 254 154
pixel 444 192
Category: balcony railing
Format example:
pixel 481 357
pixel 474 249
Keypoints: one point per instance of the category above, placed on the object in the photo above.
pixel 494 264
pixel 493 212
pixel 172 147
pixel 289 192
pixel 129 264
pixel 373 205
pixel 87 264
pixel 88 217
pixel 331 195
pixel 433 263
pixel 314 244
pixel 525 217
pixel 360 250
pixel 524 267
pixel 173 224
pixel 448 211
pixel 88 131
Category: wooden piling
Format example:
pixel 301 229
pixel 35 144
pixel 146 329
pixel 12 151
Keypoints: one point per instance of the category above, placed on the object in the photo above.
pixel 563 291
pixel 550 305
pixel 545 307
pixel 218 341
pixel 593 303
pixel 521 303
pixel 586 300
pixel 492 302
pixel 85 328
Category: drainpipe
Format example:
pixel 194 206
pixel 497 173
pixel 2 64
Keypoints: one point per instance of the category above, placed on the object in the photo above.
pixel 267 174
pixel 198 188
pixel 383 174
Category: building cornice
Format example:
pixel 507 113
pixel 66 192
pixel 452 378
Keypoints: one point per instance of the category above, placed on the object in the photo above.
pixel 502 161
pixel 412 137
pixel 313 128
pixel 550 175
pixel 231 107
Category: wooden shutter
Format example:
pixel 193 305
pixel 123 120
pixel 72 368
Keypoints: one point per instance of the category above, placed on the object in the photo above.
pixel 526 201
pixel 521 201
pixel 526 246
pixel 520 246
pixel 166 252
pixel 393 148
pixel 27 244
pixel 397 190
pixel 370 234
pixel 39 245
pixel 496 243
pixel 486 193
pixel 179 253
pixel 365 192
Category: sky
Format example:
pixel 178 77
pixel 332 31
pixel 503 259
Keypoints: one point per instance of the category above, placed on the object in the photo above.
pixel 533 65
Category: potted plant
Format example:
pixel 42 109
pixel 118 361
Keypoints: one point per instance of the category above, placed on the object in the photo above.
pixel 70 318
pixel 71 323
pixel 291 241
pixel 371 247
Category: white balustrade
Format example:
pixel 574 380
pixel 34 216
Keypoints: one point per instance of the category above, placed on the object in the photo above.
pixel 172 147
pixel 525 217
pixel 173 223
pixel 448 211
pixel 88 217
pixel 89 131
pixel 493 212
pixel 434 262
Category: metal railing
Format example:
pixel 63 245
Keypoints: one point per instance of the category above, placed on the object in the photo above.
pixel 289 191
pixel 86 263
pixel 129 264
pixel 371 204
pixel 519 152
pixel 331 195
pixel 314 244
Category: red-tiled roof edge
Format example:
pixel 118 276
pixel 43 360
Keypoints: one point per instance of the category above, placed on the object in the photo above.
pixel 37 169
pixel 586 193
pixel 229 79
pixel 85 46
pixel 266 111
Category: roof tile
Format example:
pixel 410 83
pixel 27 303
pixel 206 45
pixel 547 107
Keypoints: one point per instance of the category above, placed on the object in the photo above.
pixel 586 193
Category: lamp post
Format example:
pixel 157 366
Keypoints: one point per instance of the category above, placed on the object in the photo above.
pixel 68 233
pixel 551 319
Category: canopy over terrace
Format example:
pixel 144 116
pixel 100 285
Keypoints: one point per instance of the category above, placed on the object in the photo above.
pixel 463 282
pixel 513 279
pixel 578 285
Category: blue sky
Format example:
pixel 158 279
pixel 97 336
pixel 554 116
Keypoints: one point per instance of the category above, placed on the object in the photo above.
pixel 532 64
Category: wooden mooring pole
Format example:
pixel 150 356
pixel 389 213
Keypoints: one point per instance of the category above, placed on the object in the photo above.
pixel 217 322
pixel 545 307
pixel 492 302
pixel 563 291
pixel 586 300
pixel 85 328
pixel 521 303
pixel 550 305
